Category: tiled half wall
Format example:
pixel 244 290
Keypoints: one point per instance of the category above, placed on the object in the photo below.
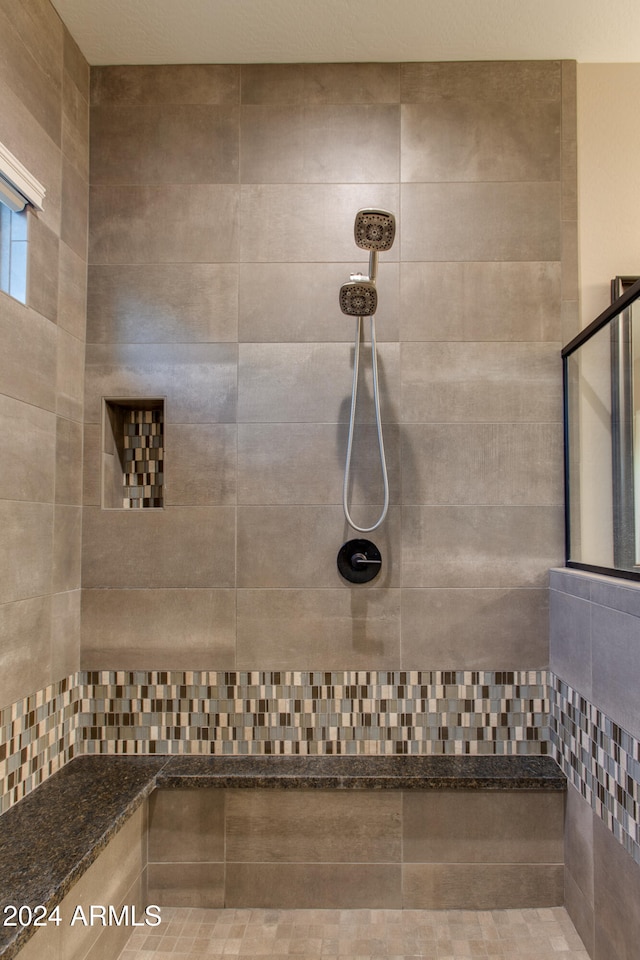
pixel 314 712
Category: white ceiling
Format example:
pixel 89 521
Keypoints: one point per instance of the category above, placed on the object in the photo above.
pixel 307 31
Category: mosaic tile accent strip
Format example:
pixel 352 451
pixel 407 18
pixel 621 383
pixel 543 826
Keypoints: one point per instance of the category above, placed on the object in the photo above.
pixel 37 737
pixel 600 759
pixel 313 712
pixel 143 458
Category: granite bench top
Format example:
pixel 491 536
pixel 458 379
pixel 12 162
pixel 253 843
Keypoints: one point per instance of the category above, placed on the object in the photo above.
pixel 53 835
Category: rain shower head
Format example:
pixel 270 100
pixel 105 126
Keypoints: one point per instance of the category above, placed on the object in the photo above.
pixel 358 298
pixel 374 230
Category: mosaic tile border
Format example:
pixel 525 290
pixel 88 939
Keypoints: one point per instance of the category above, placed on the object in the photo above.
pixel 37 737
pixel 315 712
pixel 274 712
pixel 600 759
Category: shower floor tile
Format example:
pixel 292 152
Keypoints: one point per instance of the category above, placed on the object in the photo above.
pixel 196 934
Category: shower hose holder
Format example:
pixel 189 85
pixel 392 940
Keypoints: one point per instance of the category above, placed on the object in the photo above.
pixel 359 561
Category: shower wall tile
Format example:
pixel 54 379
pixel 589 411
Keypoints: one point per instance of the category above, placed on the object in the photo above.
pixel 273 383
pixel 67 542
pixel 68 453
pixel 25 627
pixel 187 884
pixel 168 223
pixel 198 380
pixel 69 376
pixel 615 666
pixel 489 886
pixel 36 77
pixel 316 629
pixel 321 83
pixel 187 826
pixel 278 463
pixel 188 547
pixel 470 139
pixel 332 886
pixel 92 464
pixel 75 65
pixel 27 465
pixel 268 539
pixel 509 827
pixel 75 126
pixel 340 143
pixel 168 303
pixel 489 628
pixel 480 221
pixel 202 460
pixel 72 292
pixel 298 302
pixel 196 83
pixel 471 382
pixel 267 826
pixel 517 80
pixel 466 463
pixel 480 301
pixel 65 633
pixel 171 628
pixel 28 360
pixel 570 638
pixel 307 222
pixel 492 538
pixel 26 559
pixel 74 224
pixel 164 143
pixel 42 287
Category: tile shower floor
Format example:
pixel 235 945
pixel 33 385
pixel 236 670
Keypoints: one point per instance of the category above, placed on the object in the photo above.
pixel 532 934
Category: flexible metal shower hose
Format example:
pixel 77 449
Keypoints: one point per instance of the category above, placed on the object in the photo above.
pixel 352 420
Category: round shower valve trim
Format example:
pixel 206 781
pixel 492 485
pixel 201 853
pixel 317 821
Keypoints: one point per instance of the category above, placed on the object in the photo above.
pixel 359 561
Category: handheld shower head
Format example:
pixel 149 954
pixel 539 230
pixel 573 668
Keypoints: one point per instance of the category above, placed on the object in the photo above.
pixel 374 230
pixel 358 298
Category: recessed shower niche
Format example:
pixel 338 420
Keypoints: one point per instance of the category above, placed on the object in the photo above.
pixel 132 453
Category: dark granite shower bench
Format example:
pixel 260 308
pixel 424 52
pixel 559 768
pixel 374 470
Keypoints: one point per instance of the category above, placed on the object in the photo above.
pixel 51 837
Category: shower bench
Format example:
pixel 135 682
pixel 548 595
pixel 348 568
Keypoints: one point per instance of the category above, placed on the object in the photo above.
pixel 418 832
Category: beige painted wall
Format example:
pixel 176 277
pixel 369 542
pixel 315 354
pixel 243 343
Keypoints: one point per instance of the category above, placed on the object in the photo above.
pixel 608 179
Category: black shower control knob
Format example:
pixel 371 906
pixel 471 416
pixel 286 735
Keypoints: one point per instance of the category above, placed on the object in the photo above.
pixel 359 561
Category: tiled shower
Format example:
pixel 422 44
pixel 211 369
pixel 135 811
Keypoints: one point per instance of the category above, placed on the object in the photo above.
pixel 217 231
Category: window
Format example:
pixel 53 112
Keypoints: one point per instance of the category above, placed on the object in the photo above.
pixel 17 189
pixel 13 252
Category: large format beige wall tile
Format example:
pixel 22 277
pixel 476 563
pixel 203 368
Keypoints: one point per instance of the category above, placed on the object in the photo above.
pixel 26 560
pixel 304 463
pixel 480 140
pixel 480 546
pixel 197 380
pixel 516 80
pixel 160 629
pixel 42 277
pixel 510 463
pixel 67 543
pixel 168 223
pixel 476 826
pixel 471 382
pixel 172 548
pixel 68 482
pixel 166 84
pixel 187 885
pixel 25 627
pixel 69 376
pixel 505 300
pixel 187 825
pixel 312 629
pixel 164 143
pixel 65 634
pixel 28 358
pixel 308 222
pixel 320 144
pixel 200 464
pixel 480 221
pixel 332 886
pixel 268 539
pixel 298 302
pixel 168 303
pixel 72 292
pixel 313 826
pixel 27 463
pixel 475 628
pixel 274 382
pixel 481 886
pixel 321 83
